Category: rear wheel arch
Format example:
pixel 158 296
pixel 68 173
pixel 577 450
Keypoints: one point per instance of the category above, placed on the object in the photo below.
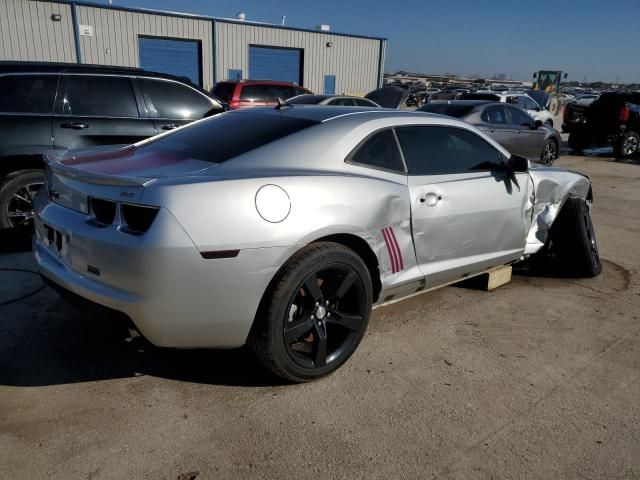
pixel 16 163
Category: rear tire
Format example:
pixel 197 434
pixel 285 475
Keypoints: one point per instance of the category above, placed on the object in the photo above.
pixel 628 145
pixel 572 247
pixel 548 123
pixel 17 192
pixel 549 152
pixel 314 314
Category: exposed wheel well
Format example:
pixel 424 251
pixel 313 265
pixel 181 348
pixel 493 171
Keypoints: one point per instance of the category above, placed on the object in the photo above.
pixel 21 162
pixel 549 122
pixel 362 248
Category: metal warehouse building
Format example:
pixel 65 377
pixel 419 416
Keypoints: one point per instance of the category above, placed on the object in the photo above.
pixel 205 49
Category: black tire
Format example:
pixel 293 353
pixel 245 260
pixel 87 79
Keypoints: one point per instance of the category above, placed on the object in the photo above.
pixel 628 145
pixel 295 316
pixel 572 244
pixel 548 123
pixel 17 191
pixel 577 142
pixel 549 152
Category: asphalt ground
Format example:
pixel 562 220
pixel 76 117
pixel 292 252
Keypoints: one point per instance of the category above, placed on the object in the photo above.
pixel 538 379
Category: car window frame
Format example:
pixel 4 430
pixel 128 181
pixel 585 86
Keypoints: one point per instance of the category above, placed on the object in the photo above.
pixel 55 95
pixel 349 158
pixel 501 159
pixel 504 114
pixel 63 84
pixel 150 107
pixel 519 110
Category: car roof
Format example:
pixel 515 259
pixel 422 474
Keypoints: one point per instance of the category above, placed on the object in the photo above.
pixel 326 113
pixel 54 67
pixel 463 102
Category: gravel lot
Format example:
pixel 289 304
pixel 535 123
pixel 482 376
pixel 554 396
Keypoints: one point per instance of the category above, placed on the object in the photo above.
pixel 538 379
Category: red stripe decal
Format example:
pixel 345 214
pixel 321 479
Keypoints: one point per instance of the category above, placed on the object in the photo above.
pixel 395 242
pixel 391 256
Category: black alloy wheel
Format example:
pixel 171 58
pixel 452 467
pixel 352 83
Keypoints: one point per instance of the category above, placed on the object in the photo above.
pixel 314 313
pixel 17 194
pixel 325 316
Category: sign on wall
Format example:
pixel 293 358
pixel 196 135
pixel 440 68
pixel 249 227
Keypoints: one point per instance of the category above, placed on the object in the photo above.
pixel 86 30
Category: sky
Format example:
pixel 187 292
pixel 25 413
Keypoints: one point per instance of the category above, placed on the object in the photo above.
pixel 588 39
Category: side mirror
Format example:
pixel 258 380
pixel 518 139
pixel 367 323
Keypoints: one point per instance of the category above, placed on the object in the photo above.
pixel 516 163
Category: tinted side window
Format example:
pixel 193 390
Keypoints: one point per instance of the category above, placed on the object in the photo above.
pixel 102 96
pixel 266 93
pixel 27 93
pixel 224 90
pixel 529 104
pixel 380 151
pixel 519 117
pixel 343 102
pixel 167 99
pixel 361 102
pixel 494 115
pixel 440 150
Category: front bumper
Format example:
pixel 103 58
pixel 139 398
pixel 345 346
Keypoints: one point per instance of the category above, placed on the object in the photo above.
pixel 159 280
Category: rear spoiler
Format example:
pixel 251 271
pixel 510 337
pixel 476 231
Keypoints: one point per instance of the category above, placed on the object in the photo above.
pixel 54 161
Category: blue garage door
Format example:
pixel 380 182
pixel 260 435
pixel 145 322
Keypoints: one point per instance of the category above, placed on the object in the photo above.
pixel 177 57
pixel 284 64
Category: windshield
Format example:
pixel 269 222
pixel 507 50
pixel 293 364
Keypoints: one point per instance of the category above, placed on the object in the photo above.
pixel 220 138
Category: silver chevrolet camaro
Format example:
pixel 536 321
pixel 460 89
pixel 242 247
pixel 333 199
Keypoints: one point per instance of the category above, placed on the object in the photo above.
pixel 281 227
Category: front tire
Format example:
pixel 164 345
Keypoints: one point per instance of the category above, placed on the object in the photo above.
pixel 628 145
pixel 572 241
pixel 314 314
pixel 17 193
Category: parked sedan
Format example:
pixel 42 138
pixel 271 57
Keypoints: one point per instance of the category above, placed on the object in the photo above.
pixel 507 124
pixel 333 100
pixel 281 228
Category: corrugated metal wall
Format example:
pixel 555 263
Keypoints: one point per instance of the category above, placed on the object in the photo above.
pixel 115 40
pixel 27 31
pixel 354 61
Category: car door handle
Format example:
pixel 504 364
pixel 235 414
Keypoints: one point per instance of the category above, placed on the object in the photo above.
pixel 430 199
pixel 171 126
pixel 74 125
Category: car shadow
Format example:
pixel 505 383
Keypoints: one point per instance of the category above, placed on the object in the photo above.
pixel 605 153
pixel 62 345
pixel 12 241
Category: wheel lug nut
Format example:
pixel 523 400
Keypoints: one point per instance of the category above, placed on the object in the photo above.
pixel 313 317
pixel 327 302
pixel 319 323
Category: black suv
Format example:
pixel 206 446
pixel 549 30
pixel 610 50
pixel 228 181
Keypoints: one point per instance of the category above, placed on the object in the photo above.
pixel 45 106
pixel 613 119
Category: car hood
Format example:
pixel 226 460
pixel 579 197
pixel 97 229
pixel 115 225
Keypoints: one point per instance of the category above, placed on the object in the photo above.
pixel 388 97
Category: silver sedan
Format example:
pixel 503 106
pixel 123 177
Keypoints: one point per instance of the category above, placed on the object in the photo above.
pixel 281 228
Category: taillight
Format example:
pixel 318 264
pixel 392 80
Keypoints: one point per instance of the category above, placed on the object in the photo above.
pixel 624 114
pixel 104 211
pixel 137 218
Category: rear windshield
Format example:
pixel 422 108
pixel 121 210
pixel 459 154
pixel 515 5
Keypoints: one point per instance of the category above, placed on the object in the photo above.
pixel 226 136
pixel 447 109
pixel 224 91
pixel 266 92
